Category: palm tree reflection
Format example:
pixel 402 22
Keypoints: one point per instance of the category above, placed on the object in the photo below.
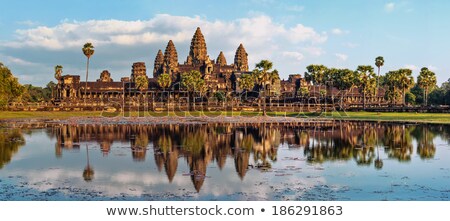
pixel 254 146
pixel 88 172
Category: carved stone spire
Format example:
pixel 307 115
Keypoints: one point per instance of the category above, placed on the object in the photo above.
pixel 198 52
pixel 241 59
pixel 221 60
pixel 170 59
pixel 159 62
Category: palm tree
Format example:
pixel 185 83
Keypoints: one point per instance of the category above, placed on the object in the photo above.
pixel 193 82
pixel 164 81
pixel 88 51
pixel 141 83
pixel 379 62
pixel 366 80
pixel 262 73
pixel 405 81
pixel 88 172
pixel 426 80
pixel 246 82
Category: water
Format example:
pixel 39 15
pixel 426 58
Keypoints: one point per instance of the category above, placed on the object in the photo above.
pixel 347 161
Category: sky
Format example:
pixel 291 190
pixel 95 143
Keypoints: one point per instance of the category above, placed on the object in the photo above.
pixel 35 36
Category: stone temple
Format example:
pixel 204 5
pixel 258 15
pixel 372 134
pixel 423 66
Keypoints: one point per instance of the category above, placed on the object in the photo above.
pixel 218 74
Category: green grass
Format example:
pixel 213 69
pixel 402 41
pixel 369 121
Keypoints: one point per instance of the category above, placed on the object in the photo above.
pixel 395 117
pixel 366 116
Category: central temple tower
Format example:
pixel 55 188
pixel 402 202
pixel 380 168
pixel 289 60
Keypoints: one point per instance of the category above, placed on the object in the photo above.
pixel 198 53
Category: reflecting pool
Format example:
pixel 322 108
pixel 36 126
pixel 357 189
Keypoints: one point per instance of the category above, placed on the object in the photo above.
pixel 345 161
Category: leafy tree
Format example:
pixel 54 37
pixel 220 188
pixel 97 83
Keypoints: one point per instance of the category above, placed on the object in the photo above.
pixel 164 81
pixel 247 82
pixel 10 88
pixel 398 82
pixel 263 76
pixel 379 62
pixel 275 82
pixel 427 81
pixel 88 51
pixel 141 83
pixel 316 74
pixel 418 93
pixel 366 81
pixel 193 82
pixel 343 79
pixel 410 98
pixel 406 81
pixel 303 91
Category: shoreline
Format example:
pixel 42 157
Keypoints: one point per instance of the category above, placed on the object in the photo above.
pixel 191 120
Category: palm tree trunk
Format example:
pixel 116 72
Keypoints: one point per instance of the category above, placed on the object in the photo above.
pixel 85 86
pixel 378 85
pixel 404 97
pixel 364 101
pixel 264 101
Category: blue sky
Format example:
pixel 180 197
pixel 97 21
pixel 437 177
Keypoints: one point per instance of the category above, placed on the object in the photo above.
pixel 37 35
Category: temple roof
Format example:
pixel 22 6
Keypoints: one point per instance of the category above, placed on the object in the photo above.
pixel 198 51
pixel 241 59
pixel 170 54
pixel 221 59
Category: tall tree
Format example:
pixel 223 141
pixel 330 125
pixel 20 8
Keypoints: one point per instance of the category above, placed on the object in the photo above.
pixel 379 62
pixel 193 82
pixel 316 74
pixel 88 51
pixel 10 88
pixel 246 82
pixel 391 82
pixel 164 81
pixel 262 75
pixel 141 83
pixel 427 81
pixel 366 81
pixel 398 82
pixel 343 79
pixel 406 81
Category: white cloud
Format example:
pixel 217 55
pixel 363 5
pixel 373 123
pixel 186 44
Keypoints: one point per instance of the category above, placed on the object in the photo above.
pixel 341 57
pixel 314 51
pixel 14 60
pixel 433 68
pixel 389 7
pixel 119 43
pixel 411 67
pixel 337 31
pixel 293 54
pixel 301 33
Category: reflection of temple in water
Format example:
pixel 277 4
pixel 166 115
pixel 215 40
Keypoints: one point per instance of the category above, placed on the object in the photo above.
pixel 251 145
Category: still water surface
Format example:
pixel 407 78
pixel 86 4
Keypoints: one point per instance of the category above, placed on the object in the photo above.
pixel 346 161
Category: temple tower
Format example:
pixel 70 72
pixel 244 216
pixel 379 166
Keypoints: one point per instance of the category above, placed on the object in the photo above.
pixel 198 52
pixel 221 60
pixel 159 62
pixel 241 59
pixel 170 59
pixel 138 69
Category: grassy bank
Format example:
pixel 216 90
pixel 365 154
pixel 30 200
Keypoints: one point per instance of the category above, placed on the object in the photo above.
pixel 368 116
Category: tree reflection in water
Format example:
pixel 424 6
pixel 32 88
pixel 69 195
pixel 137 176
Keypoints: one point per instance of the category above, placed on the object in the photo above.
pixel 252 146
pixel 10 142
